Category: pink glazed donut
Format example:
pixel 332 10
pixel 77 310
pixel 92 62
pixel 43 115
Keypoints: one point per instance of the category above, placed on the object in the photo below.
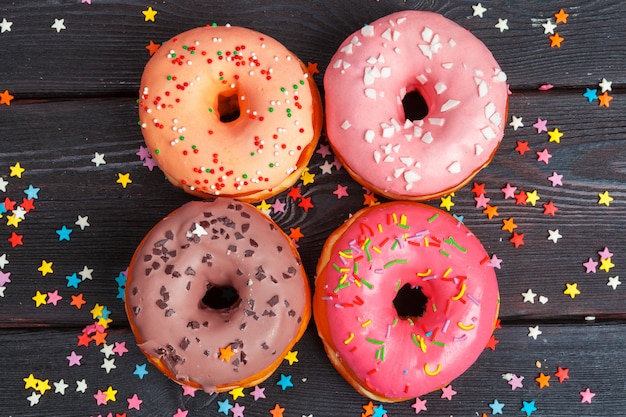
pixel 460 82
pixel 405 300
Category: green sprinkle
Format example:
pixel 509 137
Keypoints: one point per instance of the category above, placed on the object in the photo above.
pixel 395 261
pixel 251 153
pixel 374 341
pixel 185 47
pixel 245 176
pixel 210 110
pixel 355 268
pixel 366 283
pixel 444 253
pixel 341 286
pixel 194 147
pixel 271 165
pixel 295 86
pixel 439 344
pixel 283 89
pixel 173 55
pixel 271 109
pixel 380 354
pixel 181 137
pixel 301 82
pixel 169 78
pixel 452 242
pixel 398 285
pixel 414 337
pixel 337 268
pixel 432 219
pixel 404 226
pixel 219 53
pixel 395 244
pixel 157 151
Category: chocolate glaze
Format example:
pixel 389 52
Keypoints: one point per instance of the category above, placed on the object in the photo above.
pixel 223 243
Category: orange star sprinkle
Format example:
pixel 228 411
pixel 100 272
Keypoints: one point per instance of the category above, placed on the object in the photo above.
pixel 543 380
pixel 605 99
pixel 277 411
pixel 153 47
pixel 226 353
pixel 312 68
pixel 5 98
pixel 509 225
pixel 295 233
pixel 555 40
pixel 561 16
pixel 370 199
pixel 491 211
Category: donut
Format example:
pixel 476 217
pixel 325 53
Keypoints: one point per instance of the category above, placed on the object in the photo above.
pixel 216 295
pixel 229 111
pixel 405 300
pixel 427 106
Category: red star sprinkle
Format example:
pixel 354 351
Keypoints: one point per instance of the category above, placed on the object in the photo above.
pixel 84 339
pixel 306 203
pixel 295 234
pixel 478 189
pixel 15 240
pixel 549 208
pixel 520 198
pixel 562 374
pixel 522 147
pixel 312 68
pixel 153 47
pixel 517 239
pixel 492 343
pixel 294 193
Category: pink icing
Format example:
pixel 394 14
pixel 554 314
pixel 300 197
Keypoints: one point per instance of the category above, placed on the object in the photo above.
pixel 382 249
pixel 454 72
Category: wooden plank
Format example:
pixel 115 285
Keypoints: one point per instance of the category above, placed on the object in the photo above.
pixel 72 185
pixel 587 351
pixel 43 63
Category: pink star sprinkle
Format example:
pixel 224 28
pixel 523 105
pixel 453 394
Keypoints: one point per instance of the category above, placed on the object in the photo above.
pixel 190 391
pixel 419 405
pixel 323 150
pixel 54 297
pixel 604 254
pixel 341 191
pixel 258 393
pixel 509 191
pixel 495 262
pixel 120 348
pixel 541 125
pixel 590 265
pixel 237 410
pixel 74 359
pixel 481 201
pixel 556 179
pixel 516 382
pixel 149 163
pixel 134 402
pixel 181 413
pixel 278 206
pixel 543 156
pixel 586 396
pixel 448 392
pixel 101 398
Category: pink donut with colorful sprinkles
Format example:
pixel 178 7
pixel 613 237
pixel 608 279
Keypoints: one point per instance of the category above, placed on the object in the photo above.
pixel 405 300
pixel 382 71
pixel 229 111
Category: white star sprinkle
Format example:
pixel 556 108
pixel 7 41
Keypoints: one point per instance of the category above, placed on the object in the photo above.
pixel 548 27
pixel 3 261
pixel 3 185
pixel 83 221
pixel 516 122
pixel 98 159
pixel 503 24
pixel 85 273
pixel 58 25
pixel 59 387
pixel 606 85
pixel 529 296
pixel 534 332
pixel 34 398
pixel 2 291
pixel 108 364
pixel 107 350
pixel 554 235
pixel 614 282
pixel 81 386
pixel 5 26
pixel 478 10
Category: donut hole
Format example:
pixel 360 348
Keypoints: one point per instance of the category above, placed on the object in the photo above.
pixel 228 109
pixel 220 298
pixel 410 302
pixel 414 105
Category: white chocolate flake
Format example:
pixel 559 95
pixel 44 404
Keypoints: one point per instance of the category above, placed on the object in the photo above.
pixel 440 87
pixel 370 93
pixel 367 30
pixel 427 138
pixel 478 149
pixel 488 133
pixel 346 125
pixel 369 136
pixel 411 176
pixel 455 167
pixel 450 104
pixel 422 79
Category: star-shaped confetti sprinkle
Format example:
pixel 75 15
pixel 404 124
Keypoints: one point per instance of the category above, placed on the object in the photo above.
pixel 277 411
pixel 534 332
pixel 16 171
pixel 556 179
pixel 503 24
pixel 496 407
pixel 307 177
pixel 224 406
pixel 571 290
pixel 561 16
pixel 586 396
pixel 509 225
pixel 544 156
pixel 532 197
pixel 591 94
pixel 81 386
pixel 419 405
pixel 60 387
pixel 5 26
pixel 540 125
pixel 33 398
pixel 543 380
pixel 58 25
pixel 140 370
pixel 6 97
pixel 549 208
pixel 152 47
pixel 258 393
pixel 516 122
pixel 528 407
pixel 123 179
pixel 604 99
pixel 522 147
pixel 556 40
pixel 516 382
pixel 529 296
pixel 134 402
pixel 562 374
pixel 554 235
pixel 604 198
pixel 509 191
pixel 448 392
pixel 517 239
pixel 64 233
pixel 555 135
pixel 605 85
pixel 149 14
pixel 98 159
pixel 614 282
pixel 74 359
pixel 446 202
pixel 284 382
pixel 292 357
pixel 478 10
pixel 39 298
pixel 548 27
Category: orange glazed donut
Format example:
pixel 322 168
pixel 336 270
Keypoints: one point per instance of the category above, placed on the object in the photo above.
pixel 384 69
pixel 405 300
pixel 229 111
pixel 216 295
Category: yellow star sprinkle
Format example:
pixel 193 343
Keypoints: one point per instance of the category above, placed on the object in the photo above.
pixel 572 290
pixel 236 392
pixel 263 206
pixel 110 393
pixel 104 322
pixel 149 14
pixel 532 197
pixel 39 299
pixel 606 264
pixel 16 170
pixel 123 179
pixel 446 202
pixel 96 311
pixel 43 386
pixel 292 357
pixel 555 135
pixel 605 198
pixel 45 268
pixel 307 177
pixel 30 382
pixel 13 220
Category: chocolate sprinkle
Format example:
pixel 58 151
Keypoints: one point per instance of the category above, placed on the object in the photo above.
pixel 184 344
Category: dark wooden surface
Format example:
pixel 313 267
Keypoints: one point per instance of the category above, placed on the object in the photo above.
pixel 74 95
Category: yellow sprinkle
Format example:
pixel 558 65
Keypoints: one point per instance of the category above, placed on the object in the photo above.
pixel 403 219
pixel 424 274
pixel 366 323
pixel 377 249
pixel 343 278
pixel 466 326
pixel 395 218
pixel 425 241
pixel 445 274
pixel 349 339
pixel 345 255
pixel 432 373
pixel 380 227
pixel 367 241
pixel 460 294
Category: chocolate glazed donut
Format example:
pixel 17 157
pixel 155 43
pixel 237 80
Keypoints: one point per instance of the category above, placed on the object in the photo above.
pixel 216 295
